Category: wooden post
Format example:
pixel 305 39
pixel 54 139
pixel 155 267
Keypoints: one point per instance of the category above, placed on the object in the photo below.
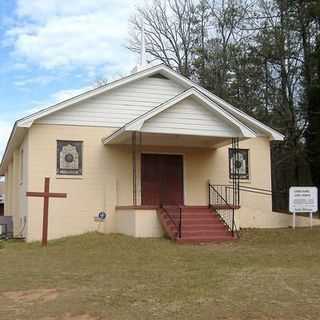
pixel 134 168
pixel 45 212
pixel 45 195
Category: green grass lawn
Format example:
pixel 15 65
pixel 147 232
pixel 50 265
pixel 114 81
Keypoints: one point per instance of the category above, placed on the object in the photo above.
pixel 266 275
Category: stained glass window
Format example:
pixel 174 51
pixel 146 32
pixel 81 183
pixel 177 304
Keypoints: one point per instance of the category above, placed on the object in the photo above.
pixel 69 157
pixel 239 163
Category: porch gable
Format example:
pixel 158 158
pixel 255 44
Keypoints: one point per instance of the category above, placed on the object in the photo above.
pixel 188 114
pixel 187 117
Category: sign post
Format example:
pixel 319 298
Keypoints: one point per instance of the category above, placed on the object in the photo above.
pixel 303 199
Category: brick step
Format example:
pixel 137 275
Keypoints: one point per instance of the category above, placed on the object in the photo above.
pixel 202 222
pixel 194 217
pixel 191 220
pixel 204 234
pixel 208 221
pixel 201 208
pixel 187 208
pixel 196 211
pixel 199 225
pixel 187 212
pixel 196 222
pixel 197 240
pixel 204 227
pixel 198 215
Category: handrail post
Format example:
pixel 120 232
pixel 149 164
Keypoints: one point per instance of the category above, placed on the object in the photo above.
pixel 180 222
pixel 232 222
pixel 209 189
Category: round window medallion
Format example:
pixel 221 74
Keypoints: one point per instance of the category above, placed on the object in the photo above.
pixel 69 157
pixel 238 164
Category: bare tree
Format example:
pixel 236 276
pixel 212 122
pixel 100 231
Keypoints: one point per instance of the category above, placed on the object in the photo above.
pixel 170 32
pixel 223 21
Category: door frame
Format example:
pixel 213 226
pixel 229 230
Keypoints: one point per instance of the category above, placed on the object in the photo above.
pixel 139 182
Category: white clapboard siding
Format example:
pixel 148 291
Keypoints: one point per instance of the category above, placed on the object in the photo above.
pixel 190 117
pixel 119 106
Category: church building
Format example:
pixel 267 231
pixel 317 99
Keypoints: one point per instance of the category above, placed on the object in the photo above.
pixel 154 151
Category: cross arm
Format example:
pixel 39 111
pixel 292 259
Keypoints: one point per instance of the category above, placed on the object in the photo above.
pixel 35 194
pixel 57 195
pixel 45 194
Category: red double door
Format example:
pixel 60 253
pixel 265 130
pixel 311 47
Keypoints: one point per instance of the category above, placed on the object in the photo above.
pixel 161 179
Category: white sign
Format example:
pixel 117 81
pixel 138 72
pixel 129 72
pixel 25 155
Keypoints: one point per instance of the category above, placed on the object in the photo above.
pixel 303 199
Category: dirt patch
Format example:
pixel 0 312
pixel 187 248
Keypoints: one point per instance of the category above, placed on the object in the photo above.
pixel 83 317
pixel 31 296
pixel 73 317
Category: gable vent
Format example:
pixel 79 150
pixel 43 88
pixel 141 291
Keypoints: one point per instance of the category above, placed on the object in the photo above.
pixel 158 76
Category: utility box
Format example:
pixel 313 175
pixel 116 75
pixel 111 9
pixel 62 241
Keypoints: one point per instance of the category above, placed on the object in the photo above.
pixel 6 227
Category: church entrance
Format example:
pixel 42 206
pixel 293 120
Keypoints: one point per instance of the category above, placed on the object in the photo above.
pixel 161 179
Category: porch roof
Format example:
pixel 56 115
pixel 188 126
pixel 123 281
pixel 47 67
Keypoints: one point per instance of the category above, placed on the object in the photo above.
pixel 188 117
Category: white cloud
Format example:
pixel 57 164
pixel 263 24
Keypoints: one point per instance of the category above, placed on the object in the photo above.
pixel 41 9
pixel 39 80
pixel 54 98
pixel 73 33
pixel 19 66
pixel 61 95
pixel 85 36
pixel 67 94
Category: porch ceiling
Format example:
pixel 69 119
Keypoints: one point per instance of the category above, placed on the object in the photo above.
pixel 170 140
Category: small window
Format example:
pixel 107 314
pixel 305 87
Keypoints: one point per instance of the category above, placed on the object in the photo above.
pixel 239 163
pixel 21 166
pixel 69 157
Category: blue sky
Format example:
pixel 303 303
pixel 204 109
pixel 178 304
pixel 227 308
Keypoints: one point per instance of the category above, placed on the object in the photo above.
pixel 53 49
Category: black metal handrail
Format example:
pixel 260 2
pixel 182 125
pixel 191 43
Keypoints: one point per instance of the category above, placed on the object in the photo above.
pixel 280 199
pixel 220 204
pixel 229 193
pixel 177 224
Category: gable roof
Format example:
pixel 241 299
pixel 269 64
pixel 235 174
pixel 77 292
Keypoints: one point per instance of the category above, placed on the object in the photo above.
pixel 21 125
pixel 165 71
pixel 28 120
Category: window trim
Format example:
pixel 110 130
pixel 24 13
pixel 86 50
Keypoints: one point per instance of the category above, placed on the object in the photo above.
pixel 242 176
pixel 72 172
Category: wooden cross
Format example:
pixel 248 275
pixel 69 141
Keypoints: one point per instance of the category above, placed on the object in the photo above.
pixel 46 195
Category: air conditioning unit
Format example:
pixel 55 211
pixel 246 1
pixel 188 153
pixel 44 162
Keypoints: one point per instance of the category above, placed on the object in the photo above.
pixel 6 227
